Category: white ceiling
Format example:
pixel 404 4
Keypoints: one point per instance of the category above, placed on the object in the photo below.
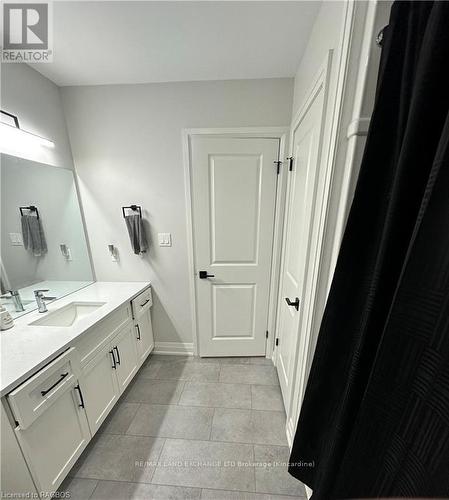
pixel 144 41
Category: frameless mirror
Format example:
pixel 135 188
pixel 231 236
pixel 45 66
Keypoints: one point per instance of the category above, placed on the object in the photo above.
pixel 43 243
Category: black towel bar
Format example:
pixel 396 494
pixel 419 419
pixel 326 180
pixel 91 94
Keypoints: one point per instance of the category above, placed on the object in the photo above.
pixel 134 208
pixel 31 208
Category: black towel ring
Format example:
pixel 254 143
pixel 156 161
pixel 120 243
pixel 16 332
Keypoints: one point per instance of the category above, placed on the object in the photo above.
pixel 31 208
pixel 134 208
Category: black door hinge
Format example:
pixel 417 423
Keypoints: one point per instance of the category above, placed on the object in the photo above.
pixel 278 164
pixel 290 163
pixel 277 341
pixel 266 334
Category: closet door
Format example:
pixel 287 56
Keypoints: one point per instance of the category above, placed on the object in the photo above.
pixel 306 145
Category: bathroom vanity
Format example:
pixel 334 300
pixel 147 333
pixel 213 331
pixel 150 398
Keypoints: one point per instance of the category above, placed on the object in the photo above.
pixel 61 374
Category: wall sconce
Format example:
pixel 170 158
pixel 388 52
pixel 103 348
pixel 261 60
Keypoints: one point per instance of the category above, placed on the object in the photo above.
pixel 66 252
pixel 12 137
pixel 114 252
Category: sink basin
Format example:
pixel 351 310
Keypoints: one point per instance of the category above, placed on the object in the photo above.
pixel 69 314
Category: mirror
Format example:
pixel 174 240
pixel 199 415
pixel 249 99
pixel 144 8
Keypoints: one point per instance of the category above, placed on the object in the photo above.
pixel 43 243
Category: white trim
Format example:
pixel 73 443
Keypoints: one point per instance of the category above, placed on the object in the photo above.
pixel 177 348
pixel 280 133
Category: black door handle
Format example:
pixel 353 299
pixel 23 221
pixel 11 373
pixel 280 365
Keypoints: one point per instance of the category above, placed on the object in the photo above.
pixel 138 332
pixel 78 388
pixel 111 352
pixel 118 354
pixel 203 275
pixel 294 304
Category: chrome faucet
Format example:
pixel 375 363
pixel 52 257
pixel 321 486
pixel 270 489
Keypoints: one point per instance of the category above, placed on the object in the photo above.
pixel 16 300
pixel 40 299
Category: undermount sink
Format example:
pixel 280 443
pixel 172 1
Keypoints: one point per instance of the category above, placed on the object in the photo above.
pixel 69 314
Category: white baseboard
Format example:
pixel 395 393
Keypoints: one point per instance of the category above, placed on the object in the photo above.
pixel 174 348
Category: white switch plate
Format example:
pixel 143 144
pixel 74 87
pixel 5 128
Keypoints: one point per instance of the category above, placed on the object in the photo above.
pixel 164 239
pixel 16 239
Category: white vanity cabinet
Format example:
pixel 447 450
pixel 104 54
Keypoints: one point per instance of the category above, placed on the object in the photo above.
pixel 51 424
pixel 141 308
pixel 109 352
pixel 53 414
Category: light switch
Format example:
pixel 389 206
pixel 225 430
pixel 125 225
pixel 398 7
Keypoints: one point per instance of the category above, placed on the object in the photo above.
pixel 16 239
pixel 164 239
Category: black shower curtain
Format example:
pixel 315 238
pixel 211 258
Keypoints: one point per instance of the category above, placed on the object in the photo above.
pixel 375 416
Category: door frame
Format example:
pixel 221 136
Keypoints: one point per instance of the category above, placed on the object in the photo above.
pixel 281 133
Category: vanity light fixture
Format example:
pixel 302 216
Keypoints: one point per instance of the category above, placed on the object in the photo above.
pixel 12 137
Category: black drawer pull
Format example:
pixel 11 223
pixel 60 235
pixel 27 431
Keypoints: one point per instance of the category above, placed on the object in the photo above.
pixel 118 354
pixel 78 388
pixel 145 303
pixel 138 332
pixel 63 376
pixel 113 359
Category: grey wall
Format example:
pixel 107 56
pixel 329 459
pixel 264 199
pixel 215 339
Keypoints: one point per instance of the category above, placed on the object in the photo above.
pixel 127 148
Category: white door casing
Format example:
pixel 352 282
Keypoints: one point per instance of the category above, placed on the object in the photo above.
pixel 306 147
pixel 233 184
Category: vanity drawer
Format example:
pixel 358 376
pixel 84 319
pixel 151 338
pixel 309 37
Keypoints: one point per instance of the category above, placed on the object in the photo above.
pixel 31 399
pixel 100 334
pixel 142 303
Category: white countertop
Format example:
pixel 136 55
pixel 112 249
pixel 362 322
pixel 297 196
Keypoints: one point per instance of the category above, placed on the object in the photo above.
pixel 25 349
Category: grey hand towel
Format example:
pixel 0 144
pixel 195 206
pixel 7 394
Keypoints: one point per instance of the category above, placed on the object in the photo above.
pixel 33 235
pixel 136 232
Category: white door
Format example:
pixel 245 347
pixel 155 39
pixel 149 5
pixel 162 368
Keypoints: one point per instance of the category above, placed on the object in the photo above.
pixel 144 336
pixel 54 441
pixel 233 197
pixel 100 388
pixel 125 353
pixel 301 195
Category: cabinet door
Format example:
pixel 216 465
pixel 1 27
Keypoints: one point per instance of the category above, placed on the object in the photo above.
pixel 55 440
pixel 100 387
pixel 144 332
pixel 125 351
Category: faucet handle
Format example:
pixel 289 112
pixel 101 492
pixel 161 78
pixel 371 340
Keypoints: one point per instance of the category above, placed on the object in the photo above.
pixel 40 291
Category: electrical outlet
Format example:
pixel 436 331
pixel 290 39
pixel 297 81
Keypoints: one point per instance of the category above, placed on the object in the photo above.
pixel 164 239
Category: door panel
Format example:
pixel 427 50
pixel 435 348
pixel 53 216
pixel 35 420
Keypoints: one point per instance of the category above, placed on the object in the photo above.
pixel 145 339
pixel 126 355
pixel 234 193
pixel 299 215
pixel 100 388
pixel 54 441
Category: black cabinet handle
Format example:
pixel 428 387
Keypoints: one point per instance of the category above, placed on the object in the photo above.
pixel 145 303
pixel 203 275
pixel 294 304
pixel 63 376
pixel 78 388
pixel 138 332
pixel 118 354
pixel 113 359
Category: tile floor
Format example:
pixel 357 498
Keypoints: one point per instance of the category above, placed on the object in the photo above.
pixel 191 428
